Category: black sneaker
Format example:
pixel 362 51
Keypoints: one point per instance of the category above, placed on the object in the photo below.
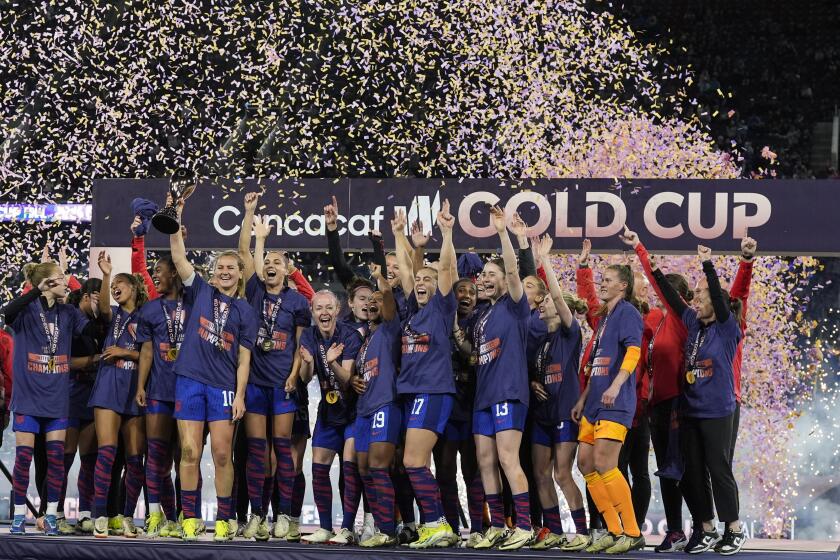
pixel 731 543
pixel 674 541
pixel 407 535
pixel 706 541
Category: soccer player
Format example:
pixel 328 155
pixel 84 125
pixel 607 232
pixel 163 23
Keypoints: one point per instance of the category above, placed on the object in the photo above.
pixel 328 350
pixel 556 388
pixel 606 407
pixel 270 396
pixel 211 375
pixel 43 332
pixel 426 383
pixel 112 398
pixel 378 414
pixel 501 400
pixel 160 333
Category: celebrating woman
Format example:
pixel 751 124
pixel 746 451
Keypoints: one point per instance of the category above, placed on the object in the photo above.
pixel 115 410
pixel 425 381
pixel 283 314
pixel 714 333
pixel 555 385
pixel 378 415
pixel 606 407
pixel 501 400
pixel 160 333
pixel 328 350
pixel 44 330
pixel 211 375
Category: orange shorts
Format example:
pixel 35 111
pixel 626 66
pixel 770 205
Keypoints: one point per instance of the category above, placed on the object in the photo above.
pixel 602 429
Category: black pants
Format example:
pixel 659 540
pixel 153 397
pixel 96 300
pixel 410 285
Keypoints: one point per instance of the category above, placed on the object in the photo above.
pixel 240 473
pixel 634 457
pixel 706 445
pixel 660 425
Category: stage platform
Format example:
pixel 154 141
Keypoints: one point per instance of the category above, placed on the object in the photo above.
pixel 39 547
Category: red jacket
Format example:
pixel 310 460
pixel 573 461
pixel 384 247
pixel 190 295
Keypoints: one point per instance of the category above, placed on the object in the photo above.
pixel 740 289
pixel 586 290
pixel 7 345
pixel 669 345
pixel 138 265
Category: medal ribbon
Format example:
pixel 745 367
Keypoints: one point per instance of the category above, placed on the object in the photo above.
pixel 602 326
pixel 269 318
pixel 650 345
pixel 542 360
pixel 327 369
pixel 478 333
pixel 52 336
pixel 119 326
pixel 695 348
pixel 220 319
pixel 174 327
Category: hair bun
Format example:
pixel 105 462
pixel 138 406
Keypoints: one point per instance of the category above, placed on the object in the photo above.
pixel 689 295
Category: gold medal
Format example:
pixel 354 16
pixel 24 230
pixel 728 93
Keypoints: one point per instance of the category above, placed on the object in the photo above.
pixel 172 354
pixel 268 345
pixel 220 345
pixel 51 364
pixel 690 377
pixel 332 397
pixel 587 369
pixel 473 359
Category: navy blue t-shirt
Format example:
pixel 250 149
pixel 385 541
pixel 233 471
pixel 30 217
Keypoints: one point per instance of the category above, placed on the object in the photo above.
pixel 116 383
pixel 623 329
pixel 271 369
pixel 154 328
pixel 38 389
pixel 377 363
pixel 556 366
pixel 499 343
pixel 711 392
pixel 343 411
pixel 199 357
pixel 426 366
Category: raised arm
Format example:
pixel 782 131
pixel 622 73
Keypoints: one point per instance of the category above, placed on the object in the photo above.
pixel 544 250
pixel 740 288
pixel 303 286
pixel 378 246
pixel 403 256
pixel 511 267
pixel 631 239
pixel 334 251
pixel 16 306
pixel 419 238
pixel 138 258
pixel 720 306
pixel 446 222
pixel 104 262
pixel 527 266
pixel 389 304
pixel 585 284
pixel 179 252
pixel 261 229
pixel 670 297
pixel 251 200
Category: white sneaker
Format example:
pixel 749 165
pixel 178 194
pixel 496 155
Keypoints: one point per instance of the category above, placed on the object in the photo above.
pixel 129 531
pixel 100 527
pixel 281 526
pixel 368 528
pixel 252 528
pixel 344 536
pixel 320 536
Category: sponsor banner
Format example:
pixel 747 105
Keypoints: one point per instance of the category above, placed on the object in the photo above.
pixel 785 216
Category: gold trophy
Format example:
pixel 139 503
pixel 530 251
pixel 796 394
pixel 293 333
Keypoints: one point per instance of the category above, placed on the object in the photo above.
pixel 181 186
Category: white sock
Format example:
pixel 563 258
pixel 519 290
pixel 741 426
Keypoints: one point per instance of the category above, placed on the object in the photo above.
pixel 154 508
pixel 52 508
pixel 20 509
pixel 433 524
pixel 412 525
pixel 295 519
pixel 84 515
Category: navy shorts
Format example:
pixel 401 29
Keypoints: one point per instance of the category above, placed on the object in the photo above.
pixel 384 425
pixel 200 402
pixel 458 430
pixel 426 411
pixel 38 424
pixel 331 437
pixel 505 415
pixel 269 401
pixel 154 406
pixel 549 436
